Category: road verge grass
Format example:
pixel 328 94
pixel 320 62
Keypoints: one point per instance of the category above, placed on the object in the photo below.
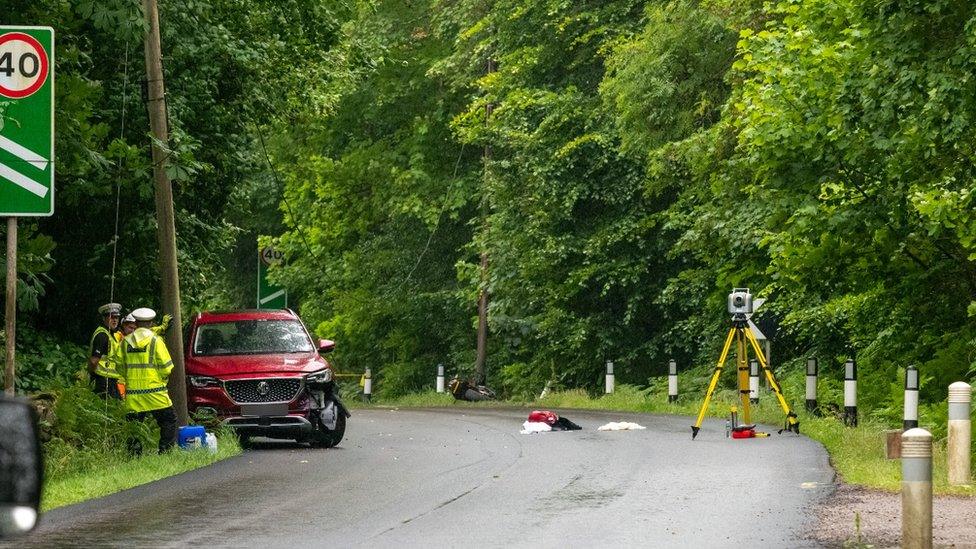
pixel 107 472
pixel 857 454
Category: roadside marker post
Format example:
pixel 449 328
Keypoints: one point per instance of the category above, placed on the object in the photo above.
pixel 672 380
pixel 367 385
pixel 609 384
pixel 916 489
pixel 753 381
pixel 911 398
pixel 960 433
pixel 850 393
pixel 26 151
pixel 440 378
pixel 812 371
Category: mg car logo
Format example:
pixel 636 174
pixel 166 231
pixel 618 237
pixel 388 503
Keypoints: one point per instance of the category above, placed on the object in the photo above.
pixel 264 388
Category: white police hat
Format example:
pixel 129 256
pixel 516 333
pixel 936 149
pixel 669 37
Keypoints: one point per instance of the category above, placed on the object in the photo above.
pixel 129 318
pixel 143 314
pixel 110 309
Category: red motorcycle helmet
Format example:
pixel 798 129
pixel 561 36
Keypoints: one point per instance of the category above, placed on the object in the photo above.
pixel 543 416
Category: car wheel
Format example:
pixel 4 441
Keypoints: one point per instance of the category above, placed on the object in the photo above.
pixel 328 439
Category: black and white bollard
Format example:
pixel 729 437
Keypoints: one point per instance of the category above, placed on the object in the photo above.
pixel 911 397
pixel 960 433
pixel 672 380
pixel 812 367
pixel 753 380
pixel 367 385
pixel 609 377
pixel 850 393
pixel 440 378
pixel 916 489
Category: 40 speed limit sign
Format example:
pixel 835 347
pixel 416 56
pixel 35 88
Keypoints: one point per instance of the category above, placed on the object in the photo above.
pixel 26 121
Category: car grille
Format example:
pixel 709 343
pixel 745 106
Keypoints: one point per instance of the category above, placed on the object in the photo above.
pixel 249 390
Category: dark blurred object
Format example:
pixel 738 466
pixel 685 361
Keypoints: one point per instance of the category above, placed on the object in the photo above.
pixel 20 467
pixel 465 390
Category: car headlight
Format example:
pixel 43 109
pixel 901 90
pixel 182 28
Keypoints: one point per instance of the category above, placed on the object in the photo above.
pixel 204 381
pixel 323 376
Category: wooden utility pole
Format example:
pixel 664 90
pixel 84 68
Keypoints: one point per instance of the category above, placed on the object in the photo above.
pixel 482 355
pixel 165 223
pixel 10 310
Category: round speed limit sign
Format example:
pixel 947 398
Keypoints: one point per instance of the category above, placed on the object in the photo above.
pixel 23 65
pixel 271 256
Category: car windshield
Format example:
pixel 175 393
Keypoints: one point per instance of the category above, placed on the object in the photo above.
pixel 251 337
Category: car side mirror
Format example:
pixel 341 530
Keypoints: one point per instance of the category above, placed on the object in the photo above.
pixel 326 345
pixel 21 470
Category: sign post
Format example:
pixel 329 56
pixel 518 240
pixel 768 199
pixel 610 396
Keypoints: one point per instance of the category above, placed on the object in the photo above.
pixel 26 149
pixel 270 296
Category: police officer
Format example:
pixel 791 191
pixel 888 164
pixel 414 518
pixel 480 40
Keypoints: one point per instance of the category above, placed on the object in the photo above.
pixel 128 325
pixel 103 343
pixel 144 365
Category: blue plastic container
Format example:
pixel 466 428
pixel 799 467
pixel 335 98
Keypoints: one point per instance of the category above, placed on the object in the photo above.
pixel 192 436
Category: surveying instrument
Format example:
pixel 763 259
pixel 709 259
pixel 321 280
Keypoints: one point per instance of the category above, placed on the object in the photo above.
pixel 740 307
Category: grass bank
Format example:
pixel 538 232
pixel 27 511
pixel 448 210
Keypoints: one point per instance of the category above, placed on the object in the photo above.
pixel 85 445
pixel 856 453
pixel 107 472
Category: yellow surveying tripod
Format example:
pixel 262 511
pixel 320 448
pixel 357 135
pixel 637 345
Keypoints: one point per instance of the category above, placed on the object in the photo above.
pixel 740 304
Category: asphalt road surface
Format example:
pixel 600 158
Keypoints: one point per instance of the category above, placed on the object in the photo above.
pixel 466 477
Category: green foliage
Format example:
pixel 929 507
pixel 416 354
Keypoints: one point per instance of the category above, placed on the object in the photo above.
pixel 379 197
pixel 43 361
pixel 34 261
pixel 230 72
pixel 668 82
pixel 522 381
pixel 84 419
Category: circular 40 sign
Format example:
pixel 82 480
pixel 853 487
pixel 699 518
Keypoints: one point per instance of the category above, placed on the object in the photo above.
pixel 271 256
pixel 23 65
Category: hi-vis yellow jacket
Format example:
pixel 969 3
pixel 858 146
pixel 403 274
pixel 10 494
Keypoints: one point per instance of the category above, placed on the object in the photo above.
pixel 105 366
pixel 143 363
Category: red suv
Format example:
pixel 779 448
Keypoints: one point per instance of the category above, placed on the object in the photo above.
pixel 260 373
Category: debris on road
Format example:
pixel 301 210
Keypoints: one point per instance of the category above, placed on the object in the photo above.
pixel 530 427
pixel 621 426
pixel 541 421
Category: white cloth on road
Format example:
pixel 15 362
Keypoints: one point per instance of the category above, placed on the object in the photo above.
pixel 530 427
pixel 620 426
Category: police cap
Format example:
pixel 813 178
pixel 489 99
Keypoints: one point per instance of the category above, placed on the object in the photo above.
pixel 113 309
pixel 143 314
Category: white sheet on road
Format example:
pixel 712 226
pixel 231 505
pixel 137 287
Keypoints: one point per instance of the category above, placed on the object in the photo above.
pixel 530 427
pixel 620 426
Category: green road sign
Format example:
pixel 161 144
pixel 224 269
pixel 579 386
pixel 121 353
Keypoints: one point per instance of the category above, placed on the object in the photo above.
pixel 269 295
pixel 26 121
